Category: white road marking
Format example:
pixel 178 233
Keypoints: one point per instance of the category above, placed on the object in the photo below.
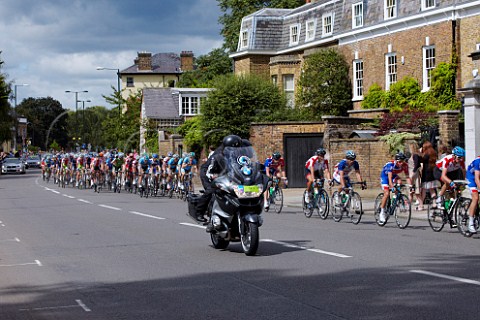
pixel 55 191
pixel 11 240
pixel 81 304
pixel 109 207
pixel 289 245
pixel 445 276
pixel 66 195
pixel 84 201
pixel 145 215
pixel 192 225
pixel 78 301
pixel 38 263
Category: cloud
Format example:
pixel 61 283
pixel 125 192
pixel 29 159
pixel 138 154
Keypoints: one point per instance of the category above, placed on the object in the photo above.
pixel 56 45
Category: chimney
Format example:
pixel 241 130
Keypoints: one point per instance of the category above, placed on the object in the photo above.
pixel 144 61
pixel 186 61
pixel 310 1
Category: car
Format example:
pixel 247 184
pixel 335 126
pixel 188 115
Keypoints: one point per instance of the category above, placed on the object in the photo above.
pixel 13 165
pixel 33 162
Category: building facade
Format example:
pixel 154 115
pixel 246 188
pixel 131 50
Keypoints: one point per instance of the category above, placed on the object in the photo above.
pixel 382 40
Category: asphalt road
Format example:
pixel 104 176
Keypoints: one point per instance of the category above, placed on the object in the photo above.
pixel 74 254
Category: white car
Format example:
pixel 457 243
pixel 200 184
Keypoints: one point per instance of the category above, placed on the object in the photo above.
pixel 13 165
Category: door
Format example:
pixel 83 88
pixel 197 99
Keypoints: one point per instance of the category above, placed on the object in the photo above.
pixel 298 149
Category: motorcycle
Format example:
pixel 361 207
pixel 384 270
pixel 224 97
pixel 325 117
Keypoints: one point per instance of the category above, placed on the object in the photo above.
pixel 237 204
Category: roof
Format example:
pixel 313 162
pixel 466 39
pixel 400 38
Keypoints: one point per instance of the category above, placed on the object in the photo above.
pixel 364 134
pixel 160 103
pixel 162 63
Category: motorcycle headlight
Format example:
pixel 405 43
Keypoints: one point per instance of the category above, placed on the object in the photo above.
pixel 248 191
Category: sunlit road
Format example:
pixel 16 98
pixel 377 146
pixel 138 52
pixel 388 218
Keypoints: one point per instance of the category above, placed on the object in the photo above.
pixel 74 254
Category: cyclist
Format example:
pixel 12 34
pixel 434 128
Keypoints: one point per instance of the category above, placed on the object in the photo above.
pixel 80 166
pixel 96 166
pixel 65 167
pixel 188 163
pixel 342 171
pixel 389 177
pixel 145 164
pixel 274 166
pixel 449 168
pixel 156 168
pixel 172 169
pixel 316 168
pixel 473 177
pixel 117 164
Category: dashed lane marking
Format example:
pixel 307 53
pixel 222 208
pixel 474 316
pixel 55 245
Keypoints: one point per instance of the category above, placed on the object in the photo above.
pixel 192 225
pixel 84 201
pixel 78 301
pixel 289 245
pixel 10 240
pixel 146 215
pixel 38 263
pixel 445 276
pixel 109 207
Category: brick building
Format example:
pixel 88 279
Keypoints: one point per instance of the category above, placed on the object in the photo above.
pixel 383 41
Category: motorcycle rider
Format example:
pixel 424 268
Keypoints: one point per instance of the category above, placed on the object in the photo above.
pixel 214 166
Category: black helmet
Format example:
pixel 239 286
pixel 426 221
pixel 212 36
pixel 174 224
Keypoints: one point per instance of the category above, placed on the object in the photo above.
pixel 400 156
pixel 276 155
pixel 232 141
pixel 320 152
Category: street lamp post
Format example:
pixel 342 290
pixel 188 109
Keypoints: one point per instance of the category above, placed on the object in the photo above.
pixel 83 118
pixel 118 86
pixel 15 114
pixel 76 105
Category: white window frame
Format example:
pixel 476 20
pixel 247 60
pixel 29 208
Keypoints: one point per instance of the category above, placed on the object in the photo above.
pixel 295 34
pixel 190 105
pixel 325 31
pixel 390 11
pixel 357 19
pixel 391 69
pixel 310 27
pixel 428 66
pixel 428 4
pixel 289 90
pixel 244 39
pixel 357 79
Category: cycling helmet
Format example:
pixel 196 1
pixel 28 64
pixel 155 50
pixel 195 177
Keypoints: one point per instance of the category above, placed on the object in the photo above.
pixel 400 156
pixel 170 154
pixel 155 156
pixel 120 155
pixel 458 151
pixel 320 152
pixel 276 156
pixel 350 155
pixel 232 141
pixel 175 155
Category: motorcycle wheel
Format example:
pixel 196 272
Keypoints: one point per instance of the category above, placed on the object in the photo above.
pixel 250 239
pixel 218 242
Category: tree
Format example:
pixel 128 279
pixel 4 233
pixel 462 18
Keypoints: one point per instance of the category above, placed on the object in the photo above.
pixel 235 103
pixel 6 120
pixel 48 118
pixel 209 66
pixel 235 10
pixel 324 86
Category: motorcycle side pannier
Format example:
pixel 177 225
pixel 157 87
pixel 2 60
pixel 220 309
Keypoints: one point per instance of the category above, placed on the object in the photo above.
pixel 195 204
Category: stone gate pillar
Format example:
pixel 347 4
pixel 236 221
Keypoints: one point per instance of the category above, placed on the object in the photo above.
pixel 471 94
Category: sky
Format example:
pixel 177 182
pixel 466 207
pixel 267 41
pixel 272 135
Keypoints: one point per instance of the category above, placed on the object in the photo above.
pixel 56 45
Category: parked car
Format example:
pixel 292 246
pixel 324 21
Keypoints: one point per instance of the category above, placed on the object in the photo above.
pixel 13 165
pixel 33 162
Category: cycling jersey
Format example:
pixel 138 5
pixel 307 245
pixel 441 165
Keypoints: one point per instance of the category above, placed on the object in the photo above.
pixel 395 168
pixel 188 163
pixel 318 165
pixel 347 169
pixel 117 163
pixel 274 165
pixel 472 167
pixel 448 163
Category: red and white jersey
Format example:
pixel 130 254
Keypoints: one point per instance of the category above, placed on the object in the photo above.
pixel 80 161
pixel 97 162
pixel 65 161
pixel 317 164
pixel 448 163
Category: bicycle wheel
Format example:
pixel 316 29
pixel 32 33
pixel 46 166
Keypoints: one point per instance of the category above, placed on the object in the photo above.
pixel 461 215
pixel 323 204
pixel 307 207
pixel 376 210
pixel 436 219
pixel 278 200
pixel 403 211
pixel 337 210
pixel 356 211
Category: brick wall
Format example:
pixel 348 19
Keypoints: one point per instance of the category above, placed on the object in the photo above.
pixel 448 127
pixel 257 65
pixel 469 36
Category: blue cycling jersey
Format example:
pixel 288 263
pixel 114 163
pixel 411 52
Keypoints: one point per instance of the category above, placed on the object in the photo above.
pixel 470 174
pixel 189 163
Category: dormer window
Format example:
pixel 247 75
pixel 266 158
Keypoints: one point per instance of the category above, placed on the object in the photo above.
pixel 428 4
pixel 357 15
pixel 294 34
pixel 310 26
pixel 327 24
pixel 244 39
pixel 390 9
